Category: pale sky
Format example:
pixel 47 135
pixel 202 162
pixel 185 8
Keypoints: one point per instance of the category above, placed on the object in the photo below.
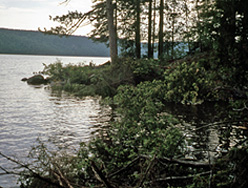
pixel 32 14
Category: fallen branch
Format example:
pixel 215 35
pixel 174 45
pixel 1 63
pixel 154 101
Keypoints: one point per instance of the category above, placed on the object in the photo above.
pixel 182 162
pixel 171 178
pixel 7 172
pixel 61 177
pixel 129 165
pixel 241 109
pixel 168 160
pixel 147 170
pixel 33 173
pixel 100 176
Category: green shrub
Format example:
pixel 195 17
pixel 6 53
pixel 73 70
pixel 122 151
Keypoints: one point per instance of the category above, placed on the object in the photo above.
pixel 146 69
pixel 142 135
pixel 141 108
pixel 187 83
pixel 91 80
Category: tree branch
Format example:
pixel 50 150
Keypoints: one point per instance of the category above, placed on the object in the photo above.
pixel 182 177
pixel 182 162
pixel 65 2
pixel 124 168
pixel 100 176
pixel 147 170
pixel 34 174
pixel 63 177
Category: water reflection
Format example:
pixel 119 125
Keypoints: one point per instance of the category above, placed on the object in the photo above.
pixel 211 128
pixel 74 120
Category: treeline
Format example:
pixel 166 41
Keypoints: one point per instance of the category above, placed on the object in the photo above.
pixel 214 24
pixel 34 42
pixel 127 25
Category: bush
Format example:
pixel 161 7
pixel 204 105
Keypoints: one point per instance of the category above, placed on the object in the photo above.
pixel 187 83
pixel 91 80
pixel 146 69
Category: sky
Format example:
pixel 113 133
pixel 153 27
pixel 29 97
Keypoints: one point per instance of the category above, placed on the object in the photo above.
pixel 34 14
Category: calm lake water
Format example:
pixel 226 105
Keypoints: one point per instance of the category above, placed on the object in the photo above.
pixel 28 112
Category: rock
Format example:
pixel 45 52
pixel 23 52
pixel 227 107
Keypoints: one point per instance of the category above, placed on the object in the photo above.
pixel 37 80
pixel 24 79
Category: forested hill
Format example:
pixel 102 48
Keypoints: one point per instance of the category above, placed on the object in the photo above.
pixel 34 42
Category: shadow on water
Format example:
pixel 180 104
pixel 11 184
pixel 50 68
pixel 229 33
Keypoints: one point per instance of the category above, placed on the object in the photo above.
pixel 211 129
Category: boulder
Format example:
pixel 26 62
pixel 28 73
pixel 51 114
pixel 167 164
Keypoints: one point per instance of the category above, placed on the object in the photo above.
pixel 24 79
pixel 36 80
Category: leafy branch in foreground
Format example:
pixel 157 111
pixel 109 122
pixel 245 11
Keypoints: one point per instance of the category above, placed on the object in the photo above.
pixel 29 173
pixel 143 171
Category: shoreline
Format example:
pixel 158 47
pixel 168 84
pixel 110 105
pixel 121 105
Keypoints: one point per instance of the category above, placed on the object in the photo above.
pixel 54 55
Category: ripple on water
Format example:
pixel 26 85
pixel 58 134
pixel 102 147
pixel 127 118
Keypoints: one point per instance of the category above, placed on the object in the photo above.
pixel 28 113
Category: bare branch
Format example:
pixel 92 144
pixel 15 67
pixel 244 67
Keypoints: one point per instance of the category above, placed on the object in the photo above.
pixel 63 177
pixel 125 167
pixel 100 176
pixel 241 109
pixel 7 172
pixel 182 177
pixel 182 162
pixel 147 170
pixel 33 173
pixel 26 166
pixel 65 2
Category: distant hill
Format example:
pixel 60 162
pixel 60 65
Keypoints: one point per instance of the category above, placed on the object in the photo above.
pixel 34 42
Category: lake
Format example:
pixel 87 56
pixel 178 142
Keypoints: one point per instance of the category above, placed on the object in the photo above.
pixel 28 113
pixel 62 122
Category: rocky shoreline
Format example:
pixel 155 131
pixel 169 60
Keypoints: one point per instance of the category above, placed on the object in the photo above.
pixel 36 80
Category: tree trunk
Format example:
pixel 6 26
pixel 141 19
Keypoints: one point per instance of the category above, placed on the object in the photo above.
pixel 154 26
pixel 112 31
pixel 186 23
pixel 172 37
pixel 150 53
pixel 161 32
pixel 137 31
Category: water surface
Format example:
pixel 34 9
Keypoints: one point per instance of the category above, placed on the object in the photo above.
pixel 31 112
